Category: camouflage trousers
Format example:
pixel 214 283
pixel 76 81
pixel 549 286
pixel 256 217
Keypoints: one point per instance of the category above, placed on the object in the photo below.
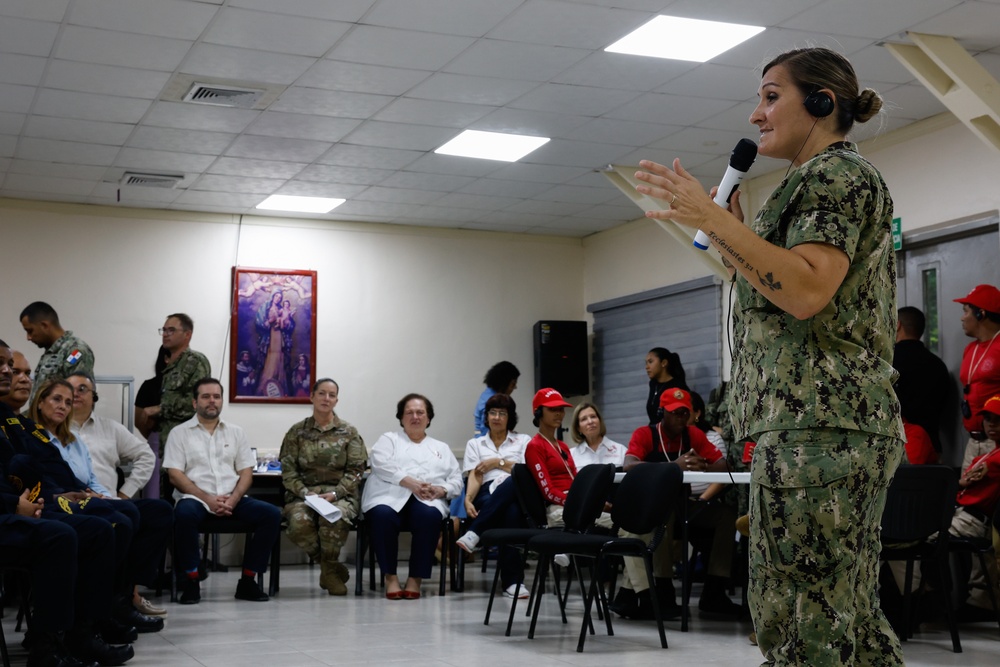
pixel 319 538
pixel 816 502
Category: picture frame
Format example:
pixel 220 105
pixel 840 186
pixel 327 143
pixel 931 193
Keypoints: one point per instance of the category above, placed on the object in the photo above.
pixel 272 335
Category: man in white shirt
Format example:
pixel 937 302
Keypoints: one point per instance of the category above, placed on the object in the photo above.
pixel 211 468
pixel 112 446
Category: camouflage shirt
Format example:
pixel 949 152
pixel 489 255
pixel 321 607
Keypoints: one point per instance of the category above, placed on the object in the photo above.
pixel 176 398
pixel 67 355
pixel 320 459
pixel 833 369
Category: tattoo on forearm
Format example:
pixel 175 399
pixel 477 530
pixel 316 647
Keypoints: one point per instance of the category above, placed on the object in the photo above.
pixel 734 254
pixel 767 280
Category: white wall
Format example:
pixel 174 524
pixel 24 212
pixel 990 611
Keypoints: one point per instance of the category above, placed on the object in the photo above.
pixel 399 309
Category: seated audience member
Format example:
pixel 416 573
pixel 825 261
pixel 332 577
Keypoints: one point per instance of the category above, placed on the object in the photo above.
pixel 500 379
pixel 977 501
pixel 924 383
pixel 87 625
pixel 589 431
pixel 919 446
pixel 211 468
pixel 703 490
pixel 672 439
pixel 412 476
pixel 112 447
pixel 64 352
pixel 490 498
pixel 323 456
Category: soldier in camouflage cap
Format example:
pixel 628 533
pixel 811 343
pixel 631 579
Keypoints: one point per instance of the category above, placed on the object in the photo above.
pixel 325 456
pixel 64 352
pixel 812 375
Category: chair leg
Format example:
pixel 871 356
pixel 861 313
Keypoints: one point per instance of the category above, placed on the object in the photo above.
pixel 588 599
pixel 657 612
pixel 513 605
pixel 944 572
pixel 543 567
pixel 359 558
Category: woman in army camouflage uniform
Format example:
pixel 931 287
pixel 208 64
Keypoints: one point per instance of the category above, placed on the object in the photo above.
pixel 812 370
pixel 322 455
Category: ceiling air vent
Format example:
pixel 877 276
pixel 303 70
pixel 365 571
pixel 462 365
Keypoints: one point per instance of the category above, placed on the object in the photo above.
pixel 151 180
pixel 223 96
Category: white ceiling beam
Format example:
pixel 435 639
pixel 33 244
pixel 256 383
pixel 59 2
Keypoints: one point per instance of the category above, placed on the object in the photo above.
pixel 624 179
pixel 956 79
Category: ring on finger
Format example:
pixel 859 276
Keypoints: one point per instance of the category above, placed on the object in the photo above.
pixel 673 199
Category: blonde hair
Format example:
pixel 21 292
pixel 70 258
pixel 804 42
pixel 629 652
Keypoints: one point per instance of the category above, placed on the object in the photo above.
pixel 574 429
pixel 61 431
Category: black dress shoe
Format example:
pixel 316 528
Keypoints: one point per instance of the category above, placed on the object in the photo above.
pixel 248 589
pixel 114 632
pixel 626 603
pixel 141 622
pixel 49 651
pixel 190 591
pixel 90 647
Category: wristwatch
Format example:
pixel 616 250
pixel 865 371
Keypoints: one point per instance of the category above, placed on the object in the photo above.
pixel 503 462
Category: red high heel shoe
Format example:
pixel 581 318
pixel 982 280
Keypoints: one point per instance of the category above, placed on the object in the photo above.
pixel 395 595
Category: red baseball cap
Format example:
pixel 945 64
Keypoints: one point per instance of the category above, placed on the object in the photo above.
pixel 675 399
pixel 548 397
pixel 992 406
pixel 986 297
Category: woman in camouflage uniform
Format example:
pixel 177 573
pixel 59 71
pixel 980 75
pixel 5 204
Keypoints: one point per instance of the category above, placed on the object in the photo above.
pixel 812 372
pixel 322 455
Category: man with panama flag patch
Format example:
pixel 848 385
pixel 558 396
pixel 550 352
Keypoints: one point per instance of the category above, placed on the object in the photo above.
pixel 64 352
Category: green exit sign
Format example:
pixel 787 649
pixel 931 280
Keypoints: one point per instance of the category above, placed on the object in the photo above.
pixel 897 234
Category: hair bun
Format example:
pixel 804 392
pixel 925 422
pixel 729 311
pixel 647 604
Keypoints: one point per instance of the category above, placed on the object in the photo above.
pixel 867 105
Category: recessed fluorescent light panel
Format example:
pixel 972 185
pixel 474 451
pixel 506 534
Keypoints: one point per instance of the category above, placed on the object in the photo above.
pixel 300 204
pixel 492 145
pixel 683 39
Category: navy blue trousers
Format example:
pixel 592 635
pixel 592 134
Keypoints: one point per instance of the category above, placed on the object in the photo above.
pixel 264 517
pixel 501 510
pixel 424 524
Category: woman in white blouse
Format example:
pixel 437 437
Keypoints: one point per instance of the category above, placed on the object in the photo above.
pixel 589 431
pixel 490 500
pixel 412 475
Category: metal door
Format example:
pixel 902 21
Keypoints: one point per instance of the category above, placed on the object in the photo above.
pixel 935 267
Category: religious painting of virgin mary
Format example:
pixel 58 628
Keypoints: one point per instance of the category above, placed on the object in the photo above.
pixel 273 337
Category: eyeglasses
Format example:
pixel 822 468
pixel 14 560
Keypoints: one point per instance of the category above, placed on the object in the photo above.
pixel 169 330
pixel 497 413
pixel 83 390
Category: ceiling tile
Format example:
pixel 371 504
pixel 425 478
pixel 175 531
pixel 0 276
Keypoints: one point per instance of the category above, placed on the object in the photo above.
pixel 911 102
pixel 274 32
pixel 11 123
pixel 88 106
pixel 623 72
pixel 244 184
pixel 424 181
pixel 881 19
pixel 350 175
pixel 525 121
pixel 539 173
pixel 27 37
pixel 276 148
pixel 356 77
pixel 401 195
pixel 238 166
pixel 478 202
pixel 162 161
pixel 576 154
pixel 173 18
pixel 330 103
pixel 624 132
pixel 433 163
pixel 74 171
pixel 502 188
pixel 583 100
pixel 568 24
pixel 341 10
pixel 317 189
pixel 399 135
pixel 513 60
pixel 8 145
pixel 21 69
pixel 69 152
pixel 471 89
pixel 181 141
pixel 672 109
pixel 200 117
pixel 42 10
pixel 16 99
pixel 134 195
pixel 227 62
pixel 107 47
pixel 299 126
pixel 398 48
pixel 469 17
pixel 720 82
pixel 972 23
pixel 47 184
pixel 105 79
pixel 368 156
pixel 430 112
pixel 382 210
pixel 223 201
pixel 87 131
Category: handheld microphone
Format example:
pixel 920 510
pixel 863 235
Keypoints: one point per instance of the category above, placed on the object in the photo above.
pixel 740 161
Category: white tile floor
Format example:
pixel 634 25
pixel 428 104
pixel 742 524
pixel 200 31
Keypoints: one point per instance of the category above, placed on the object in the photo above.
pixel 303 626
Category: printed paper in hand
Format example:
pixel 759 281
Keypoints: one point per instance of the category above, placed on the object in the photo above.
pixel 324 508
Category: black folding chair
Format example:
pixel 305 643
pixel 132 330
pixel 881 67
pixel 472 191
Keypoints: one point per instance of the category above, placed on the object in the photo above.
pixel 920 504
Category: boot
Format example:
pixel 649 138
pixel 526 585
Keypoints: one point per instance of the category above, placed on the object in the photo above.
pixel 330 578
pixel 625 604
pixel 666 596
pixel 714 599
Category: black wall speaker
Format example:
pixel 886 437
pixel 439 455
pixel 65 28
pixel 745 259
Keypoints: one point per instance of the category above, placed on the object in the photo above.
pixel 561 357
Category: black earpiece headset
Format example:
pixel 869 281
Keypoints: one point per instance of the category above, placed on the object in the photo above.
pixel 979 314
pixel 819 104
pixel 659 414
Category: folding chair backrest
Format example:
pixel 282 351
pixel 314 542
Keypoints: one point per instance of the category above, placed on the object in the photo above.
pixel 529 496
pixel 586 496
pixel 647 496
pixel 920 502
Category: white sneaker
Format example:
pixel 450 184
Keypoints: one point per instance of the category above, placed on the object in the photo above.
pixel 468 542
pixel 562 560
pixel 519 591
